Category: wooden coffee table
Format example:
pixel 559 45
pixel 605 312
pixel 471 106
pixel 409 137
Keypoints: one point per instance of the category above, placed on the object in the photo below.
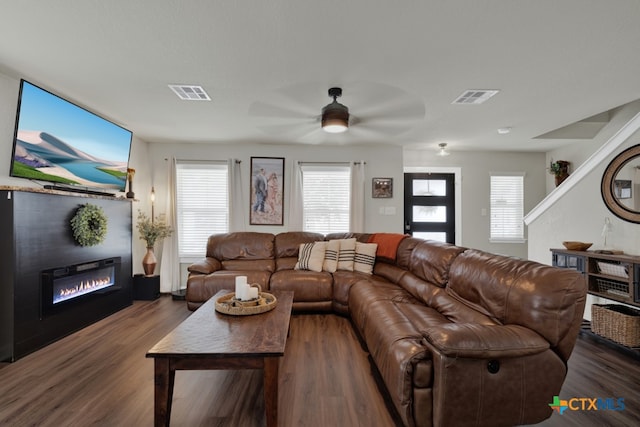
pixel 211 340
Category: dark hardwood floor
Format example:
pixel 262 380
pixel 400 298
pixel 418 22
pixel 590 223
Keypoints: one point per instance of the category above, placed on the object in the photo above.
pixel 99 376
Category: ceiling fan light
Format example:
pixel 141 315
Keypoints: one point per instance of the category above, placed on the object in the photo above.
pixel 335 116
pixel 336 128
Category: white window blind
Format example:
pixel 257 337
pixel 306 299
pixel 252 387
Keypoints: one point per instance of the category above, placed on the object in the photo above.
pixel 507 207
pixel 326 193
pixel 202 204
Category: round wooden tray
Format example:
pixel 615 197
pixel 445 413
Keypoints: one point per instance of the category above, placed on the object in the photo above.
pixel 228 304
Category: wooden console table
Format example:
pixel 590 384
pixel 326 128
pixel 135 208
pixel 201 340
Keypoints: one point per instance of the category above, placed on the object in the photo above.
pixel 211 340
pixel 614 277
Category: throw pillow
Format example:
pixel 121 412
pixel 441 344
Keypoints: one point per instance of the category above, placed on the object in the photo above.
pixel 365 257
pixel 346 254
pixel 311 256
pixel 331 256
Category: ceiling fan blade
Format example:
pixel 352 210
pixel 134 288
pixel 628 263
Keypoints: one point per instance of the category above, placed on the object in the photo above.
pixel 405 113
pixel 318 136
pixel 389 127
pixel 290 130
pixel 306 95
pixel 263 109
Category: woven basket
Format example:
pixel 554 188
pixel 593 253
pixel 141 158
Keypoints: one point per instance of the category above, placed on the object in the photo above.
pixel 618 323
pixel 228 304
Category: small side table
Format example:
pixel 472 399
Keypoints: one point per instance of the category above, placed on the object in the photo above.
pixel 146 287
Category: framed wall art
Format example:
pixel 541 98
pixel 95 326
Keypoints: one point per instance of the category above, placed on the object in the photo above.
pixel 267 191
pixel 382 188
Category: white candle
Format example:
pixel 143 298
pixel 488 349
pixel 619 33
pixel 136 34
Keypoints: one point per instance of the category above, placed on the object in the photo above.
pixel 241 285
pixel 253 293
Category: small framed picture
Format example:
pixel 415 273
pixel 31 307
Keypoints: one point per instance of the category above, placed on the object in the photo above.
pixel 267 191
pixel 382 188
pixel 622 188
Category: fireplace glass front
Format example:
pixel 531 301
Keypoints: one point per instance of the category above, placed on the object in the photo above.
pixel 61 286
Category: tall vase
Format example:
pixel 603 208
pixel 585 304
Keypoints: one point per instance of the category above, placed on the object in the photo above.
pixel 149 262
pixel 130 193
pixel 130 173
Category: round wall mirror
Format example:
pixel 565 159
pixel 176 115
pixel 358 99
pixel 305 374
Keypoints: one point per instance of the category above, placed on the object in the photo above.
pixel 620 185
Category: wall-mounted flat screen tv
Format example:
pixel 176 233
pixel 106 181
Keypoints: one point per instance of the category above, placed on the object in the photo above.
pixel 58 141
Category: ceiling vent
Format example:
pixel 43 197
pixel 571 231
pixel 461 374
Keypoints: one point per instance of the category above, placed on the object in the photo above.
pixel 475 96
pixel 190 92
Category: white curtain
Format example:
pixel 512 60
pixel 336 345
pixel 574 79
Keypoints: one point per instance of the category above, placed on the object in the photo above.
pixel 237 221
pixel 357 197
pixel 170 262
pixel 295 202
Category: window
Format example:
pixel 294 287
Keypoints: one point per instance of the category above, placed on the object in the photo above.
pixel 507 206
pixel 202 204
pixel 326 194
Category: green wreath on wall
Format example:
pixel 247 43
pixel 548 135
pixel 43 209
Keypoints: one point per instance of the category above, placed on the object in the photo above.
pixel 89 225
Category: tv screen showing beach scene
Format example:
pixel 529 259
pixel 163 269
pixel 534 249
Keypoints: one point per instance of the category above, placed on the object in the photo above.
pixel 58 141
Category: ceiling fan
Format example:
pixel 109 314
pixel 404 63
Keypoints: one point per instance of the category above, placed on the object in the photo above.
pixel 374 111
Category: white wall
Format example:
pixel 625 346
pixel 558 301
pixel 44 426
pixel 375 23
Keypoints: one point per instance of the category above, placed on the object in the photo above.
pixel 475 172
pixel 580 213
pixel 9 89
pixel 381 161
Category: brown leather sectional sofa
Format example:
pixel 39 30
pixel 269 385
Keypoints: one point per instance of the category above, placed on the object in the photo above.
pixel 459 336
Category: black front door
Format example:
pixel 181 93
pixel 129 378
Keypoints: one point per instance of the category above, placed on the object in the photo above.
pixel 429 206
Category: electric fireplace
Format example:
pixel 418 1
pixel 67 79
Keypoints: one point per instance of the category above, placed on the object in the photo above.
pixel 70 285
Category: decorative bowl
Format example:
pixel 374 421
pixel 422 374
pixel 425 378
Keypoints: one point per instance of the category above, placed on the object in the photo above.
pixel 228 304
pixel 577 246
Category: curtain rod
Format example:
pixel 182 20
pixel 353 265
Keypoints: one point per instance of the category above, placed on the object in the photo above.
pixel 330 163
pixel 203 161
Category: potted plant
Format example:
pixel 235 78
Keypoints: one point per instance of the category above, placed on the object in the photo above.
pixel 151 230
pixel 560 169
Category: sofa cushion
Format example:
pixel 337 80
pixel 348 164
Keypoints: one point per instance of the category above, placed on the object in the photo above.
pixel 288 244
pixel 390 272
pixel 431 260
pixel 311 256
pixel 241 245
pixel 342 282
pixel 404 251
pixel 248 264
pixel 307 286
pixel 365 293
pixel 365 257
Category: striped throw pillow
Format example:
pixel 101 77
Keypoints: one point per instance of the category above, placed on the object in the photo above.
pixel 365 257
pixel 331 256
pixel 311 256
pixel 346 254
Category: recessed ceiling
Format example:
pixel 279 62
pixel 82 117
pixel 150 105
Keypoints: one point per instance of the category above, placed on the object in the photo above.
pixel 555 63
